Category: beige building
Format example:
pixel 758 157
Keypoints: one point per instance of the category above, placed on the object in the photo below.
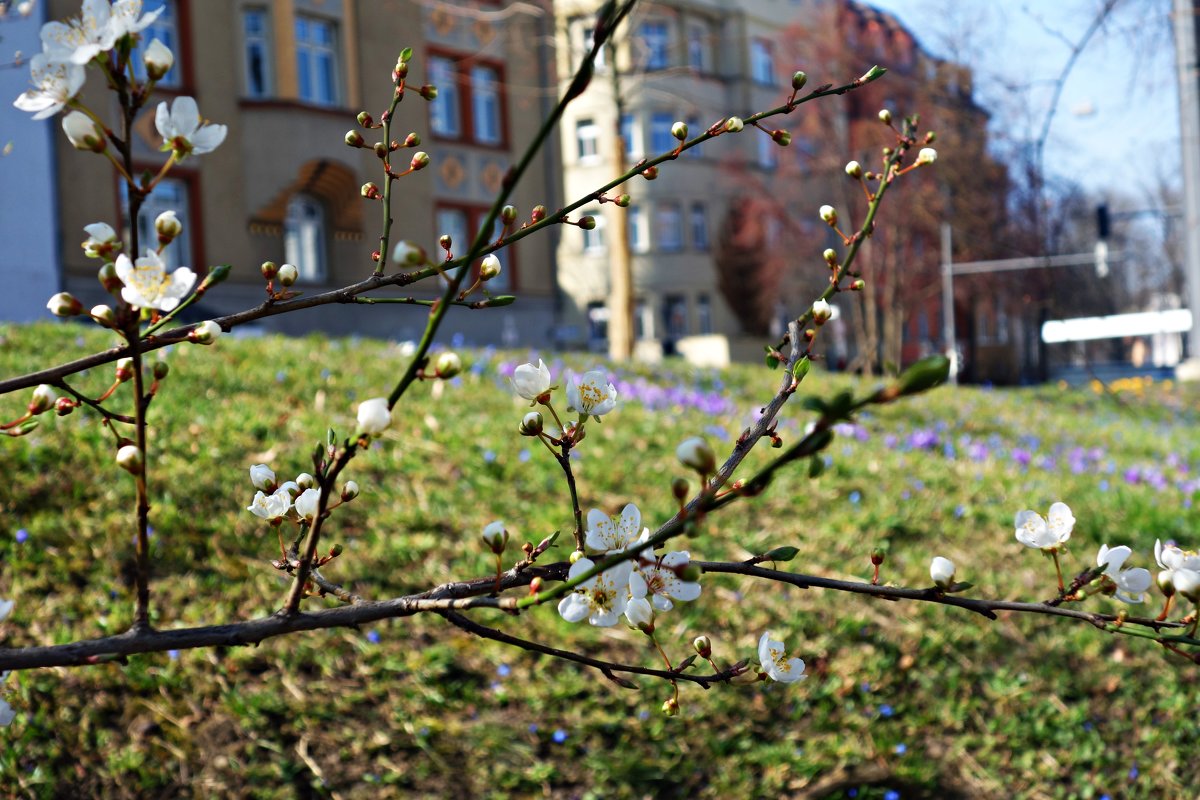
pixel 696 61
pixel 288 78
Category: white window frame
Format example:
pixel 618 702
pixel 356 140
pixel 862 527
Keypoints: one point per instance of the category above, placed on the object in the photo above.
pixel 639 233
pixel 486 118
pixel 593 240
pixel 304 240
pixel 587 140
pixel 445 112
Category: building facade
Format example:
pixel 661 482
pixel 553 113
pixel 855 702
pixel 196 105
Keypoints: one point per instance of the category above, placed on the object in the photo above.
pixel 288 78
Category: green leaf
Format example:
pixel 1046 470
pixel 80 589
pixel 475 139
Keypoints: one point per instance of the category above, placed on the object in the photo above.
pixel 784 553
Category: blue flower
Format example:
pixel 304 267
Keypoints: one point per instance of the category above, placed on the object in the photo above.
pixel 533 728
pixel 504 670
pixel 901 749
pixel 856 497
pixel 22 535
pixel 174 656
pixel 373 637
pixel 891 794
pixel 1133 772
pixel 886 711
pixel 559 736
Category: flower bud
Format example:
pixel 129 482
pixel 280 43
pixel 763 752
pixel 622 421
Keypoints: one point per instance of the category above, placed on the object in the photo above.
pixel 428 91
pixel 446 242
pixel 829 215
pixel 269 270
pixel 508 215
pixel 43 399
pixel 671 707
pixel 288 274
pixel 831 257
pixel 695 453
pixel 420 160
pixel 925 374
pixel 489 267
pixel 374 416
pixel 650 173
pixel 854 169
pixel 821 312
pixel 927 155
pixel 205 333
pixel 130 459
pixel 942 571
pixel 538 213
pixel 103 314
pixel 158 59
pixel 408 254
pixel 536 584
pixel 495 536
pixel 161 370
pixel 447 365
pixel 680 131
pixel 167 226
pixel 680 487
pixel 369 190
pixel 412 140
pixel 885 117
pixel 349 491
pixel 306 481
pixel 400 71
pixel 531 424
pixel 623 201
pixel 380 149
pixel 336 551
pixel 102 241
pixel 781 137
pixel 64 406
pixel 83 132
pixel 124 369
pixel 263 477
pixel 798 80
pixel 576 555
pixel 877 556
pixel 857 285
pixel 64 304
pixel 588 223
pixel 107 275
pixel 364 119
pixel 355 139
pixel 703 646
pixel 734 124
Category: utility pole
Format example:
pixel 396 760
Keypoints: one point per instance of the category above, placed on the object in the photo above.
pixel 1187 12
pixel 620 298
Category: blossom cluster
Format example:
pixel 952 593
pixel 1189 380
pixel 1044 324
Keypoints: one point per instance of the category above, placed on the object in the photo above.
pixel 296 500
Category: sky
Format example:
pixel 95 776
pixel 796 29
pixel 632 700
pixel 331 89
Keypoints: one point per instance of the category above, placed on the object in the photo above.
pixel 1117 125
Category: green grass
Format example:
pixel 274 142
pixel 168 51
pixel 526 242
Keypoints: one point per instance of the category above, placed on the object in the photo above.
pixel 926 701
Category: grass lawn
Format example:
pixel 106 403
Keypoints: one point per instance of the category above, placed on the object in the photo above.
pixel 903 699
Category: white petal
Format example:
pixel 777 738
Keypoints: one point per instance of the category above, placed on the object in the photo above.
pixel 208 138
pixel 574 608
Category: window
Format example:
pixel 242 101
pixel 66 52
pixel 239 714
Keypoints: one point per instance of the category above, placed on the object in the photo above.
pixel 304 237
pixel 694 130
pixel 316 60
pixel 762 62
pixel 171 194
pixel 699 51
pixel 703 315
pixel 587 139
pixel 674 316
pixel 630 135
pixel 593 240
pixel 166 30
pixel 669 227
pixel 655 44
pixel 597 315
pixel 257 52
pixel 470 101
pixel 661 140
pixel 485 104
pixel 444 118
pixel 461 224
pixel 639 237
pixel 768 153
pixel 699 221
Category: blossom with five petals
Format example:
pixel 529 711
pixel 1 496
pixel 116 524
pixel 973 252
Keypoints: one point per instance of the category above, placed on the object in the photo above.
pixel 1131 583
pixel 1049 535
pixel 662 580
pixel 54 85
pixel 600 599
pixel 592 395
pixel 776 664
pixel 147 284
pixel 183 131
pixel 95 31
pixel 271 506
pixel 608 535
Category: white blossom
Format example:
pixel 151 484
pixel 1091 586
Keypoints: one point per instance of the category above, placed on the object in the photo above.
pixel 158 59
pixel 271 506
pixel 95 31
pixel 307 502
pixel 82 132
pixel 147 284
pixel 54 85
pixel 942 571
pixel 262 476
pixel 662 581
pixel 600 599
pixel 1033 531
pixel 1131 583
pixel 531 382
pixel 776 664
pixel 592 395
pixel 101 241
pixel 182 130
pixel 695 453
pixel 374 416
pixel 610 535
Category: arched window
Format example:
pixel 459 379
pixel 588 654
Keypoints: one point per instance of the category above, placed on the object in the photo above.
pixel 304 237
